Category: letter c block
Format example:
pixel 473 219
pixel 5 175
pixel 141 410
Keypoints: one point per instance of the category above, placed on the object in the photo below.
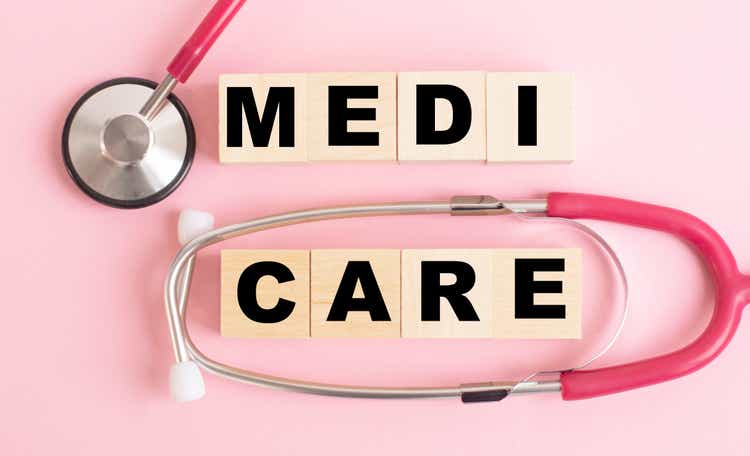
pixel 265 293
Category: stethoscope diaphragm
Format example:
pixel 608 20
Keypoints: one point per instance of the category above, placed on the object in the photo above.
pixel 120 158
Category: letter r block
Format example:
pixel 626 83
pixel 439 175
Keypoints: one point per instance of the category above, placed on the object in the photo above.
pixel 267 293
pixel 457 301
pixel 262 118
pixel 441 116
pixel 367 283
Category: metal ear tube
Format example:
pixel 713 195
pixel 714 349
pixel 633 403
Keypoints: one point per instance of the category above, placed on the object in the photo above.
pixel 185 380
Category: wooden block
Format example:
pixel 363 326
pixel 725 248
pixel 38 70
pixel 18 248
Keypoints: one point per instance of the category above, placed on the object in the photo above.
pixel 351 116
pixel 436 129
pixel 544 293
pixel 355 293
pixel 274 286
pixel 466 276
pixel 530 117
pixel 262 118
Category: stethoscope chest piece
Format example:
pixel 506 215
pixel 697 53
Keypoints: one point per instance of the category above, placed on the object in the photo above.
pixel 121 157
pixel 129 142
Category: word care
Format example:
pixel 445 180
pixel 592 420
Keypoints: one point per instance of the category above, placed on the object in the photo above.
pixel 429 116
pixel 494 293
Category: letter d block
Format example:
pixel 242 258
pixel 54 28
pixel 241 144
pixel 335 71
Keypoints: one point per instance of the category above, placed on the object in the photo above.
pixel 446 293
pixel 262 118
pixel 265 293
pixel 355 293
pixel 441 116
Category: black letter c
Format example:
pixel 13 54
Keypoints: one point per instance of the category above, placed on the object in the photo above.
pixel 247 292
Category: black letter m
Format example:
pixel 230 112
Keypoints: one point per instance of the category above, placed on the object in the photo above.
pixel 241 99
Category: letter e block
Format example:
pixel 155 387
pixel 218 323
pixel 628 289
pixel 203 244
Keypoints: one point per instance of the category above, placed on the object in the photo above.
pixel 537 293
pixel 272 286
pixel 351 116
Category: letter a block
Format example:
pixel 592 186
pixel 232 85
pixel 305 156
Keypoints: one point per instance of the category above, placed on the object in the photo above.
pixel 355 293
pixel 262 118
pixel 351 116
pixel 441 116
pixel 447 293
pixel 265 293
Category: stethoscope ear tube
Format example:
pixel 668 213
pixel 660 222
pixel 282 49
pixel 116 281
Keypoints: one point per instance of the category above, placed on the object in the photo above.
pixel 732 290
pixel 195 231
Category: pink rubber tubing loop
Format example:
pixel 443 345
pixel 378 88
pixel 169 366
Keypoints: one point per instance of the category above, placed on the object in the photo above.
pixel 732 290
pixel 195 48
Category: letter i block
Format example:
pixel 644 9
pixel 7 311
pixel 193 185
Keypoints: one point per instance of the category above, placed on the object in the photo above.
pixel 355 293
pixel 537 293
pixel 351 116
pixel 529 117
pixel 441 116
pixel 446 293
pixel 265 293
pixel 262 118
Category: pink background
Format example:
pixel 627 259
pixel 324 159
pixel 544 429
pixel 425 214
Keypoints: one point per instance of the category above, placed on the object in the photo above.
pixel 661 114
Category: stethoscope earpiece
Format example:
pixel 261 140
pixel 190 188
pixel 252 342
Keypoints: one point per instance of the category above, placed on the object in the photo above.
pixel 186 382
pixel 193 223
pixel 185 378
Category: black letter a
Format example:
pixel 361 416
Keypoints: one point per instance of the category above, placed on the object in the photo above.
pixel 358 271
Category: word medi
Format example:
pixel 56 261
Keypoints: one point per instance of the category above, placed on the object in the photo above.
pixel 422 116
pixel 390 293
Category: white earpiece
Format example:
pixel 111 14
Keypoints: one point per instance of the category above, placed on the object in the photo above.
pixel 186 382
pixel 185 378
pixel 192 224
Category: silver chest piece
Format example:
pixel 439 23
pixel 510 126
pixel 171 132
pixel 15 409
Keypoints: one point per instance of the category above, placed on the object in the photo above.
pixel 121 157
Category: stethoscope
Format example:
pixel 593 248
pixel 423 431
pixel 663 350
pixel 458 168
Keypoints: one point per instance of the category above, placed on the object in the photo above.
pixel 732 292
pixel 128 142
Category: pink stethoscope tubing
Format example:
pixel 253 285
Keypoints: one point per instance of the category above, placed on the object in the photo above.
pixel 195 48
pixel 732 289
pixel 732 294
